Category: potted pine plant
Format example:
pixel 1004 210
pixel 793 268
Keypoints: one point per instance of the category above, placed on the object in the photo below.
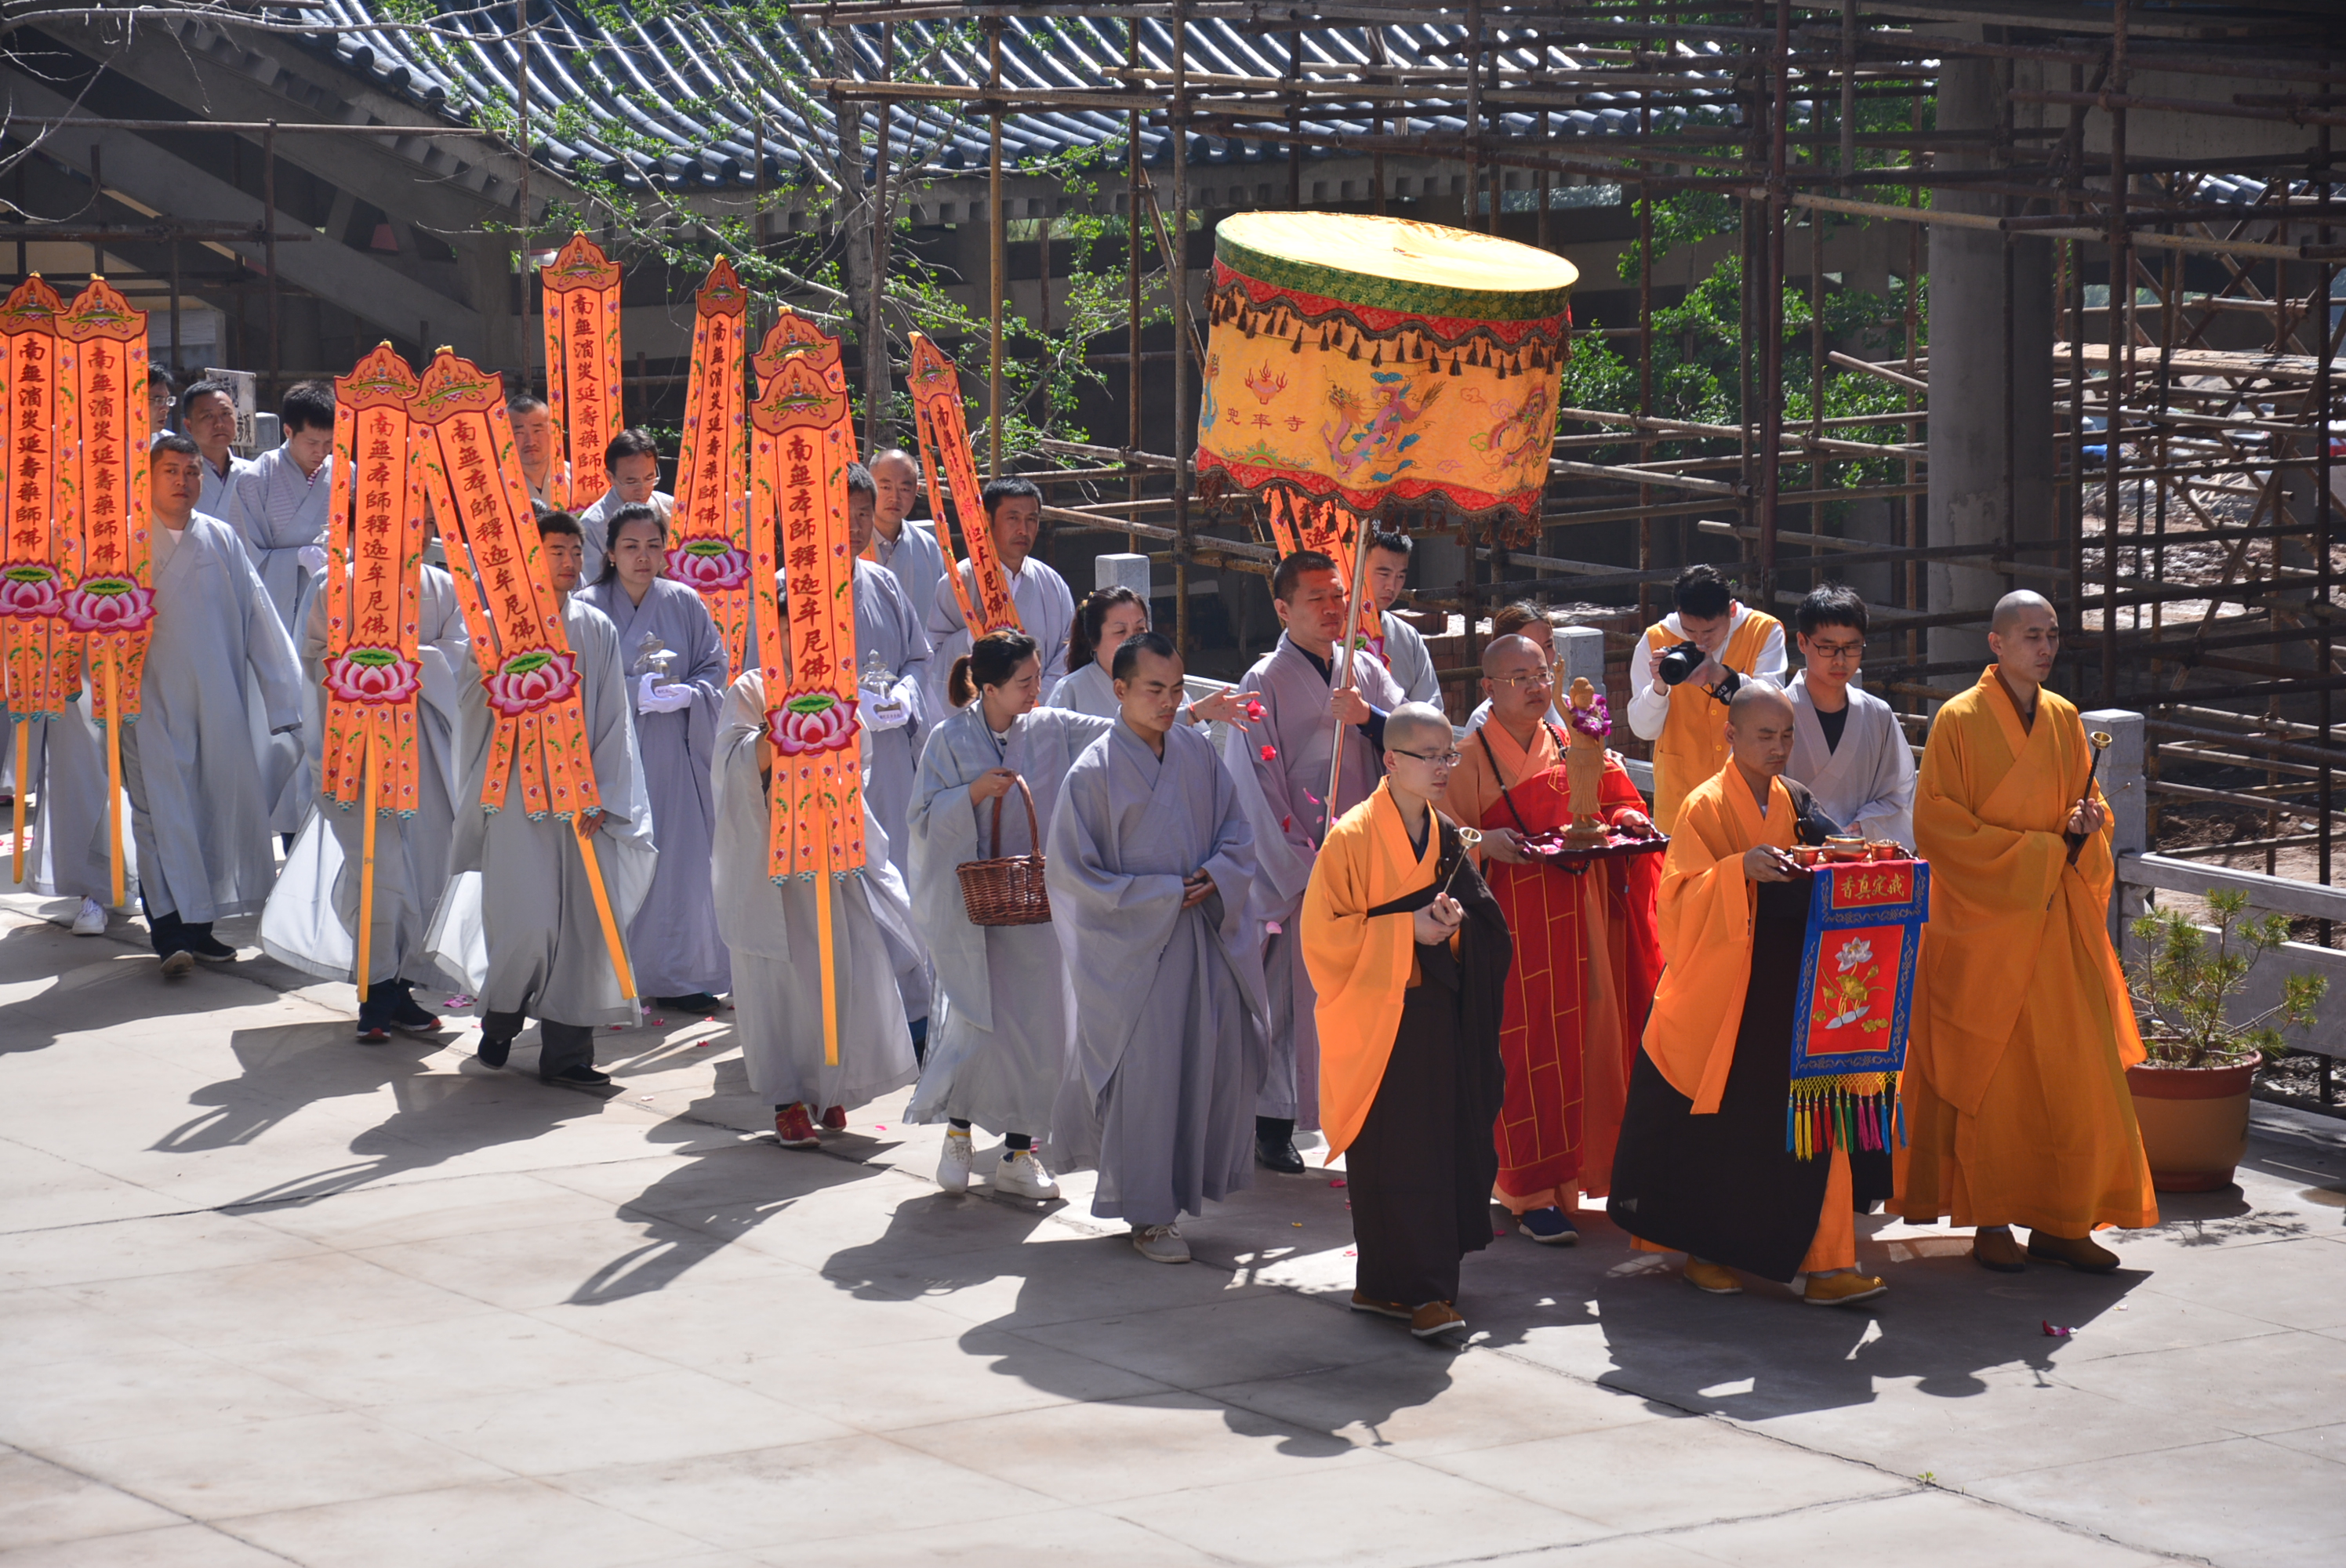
pixel 2191 1096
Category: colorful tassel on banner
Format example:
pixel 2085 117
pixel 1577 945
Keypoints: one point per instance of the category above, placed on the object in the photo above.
pixel 1858 1112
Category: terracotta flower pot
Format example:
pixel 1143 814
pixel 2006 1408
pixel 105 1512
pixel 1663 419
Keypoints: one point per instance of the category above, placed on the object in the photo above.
pixel 2193 1121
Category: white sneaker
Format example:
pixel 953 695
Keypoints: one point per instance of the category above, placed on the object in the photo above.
pixel 1022 1174
pixel 91 919
pixel 1160 1243
pixel 953 1166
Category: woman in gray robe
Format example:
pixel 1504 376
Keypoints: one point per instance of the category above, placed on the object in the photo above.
pixel 999 1031
pixel 1104 619
pixel 199 804
pixel 1170 1041
pixel 777 959
pixel 676 669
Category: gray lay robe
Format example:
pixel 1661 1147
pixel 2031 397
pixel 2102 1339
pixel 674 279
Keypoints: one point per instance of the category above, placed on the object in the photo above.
pixel 212 500
pixel 1281 795
pixel 777 956
pixel 1867 782
pixel 1046 611
pixel 276 546
pixel 1170 1041
pixel 674 941
pixel 73 844
pixel 1087 690
pixel 311 921
pixel 1408 660
pixel 999 1030
pixel 518 923
pixel 199 788
pixel 914 560
pixel 889 637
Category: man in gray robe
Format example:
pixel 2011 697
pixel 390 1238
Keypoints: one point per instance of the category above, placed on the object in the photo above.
pixel 676 674
pixel 1406 654
pixel 1847 745
pixel 311 921
pixel 1046 610
pixel 208 410
pixel 891 662
pixel 773 933
pixel 1150 865
pixel 632 460
pixel 908 549
pixel 522 927
pixel 534 444
pixel 278 506
pixel 198 804
pixel 1281 769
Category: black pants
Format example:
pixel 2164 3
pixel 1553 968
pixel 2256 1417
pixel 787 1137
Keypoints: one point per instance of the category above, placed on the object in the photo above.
pixel 563 1045
pixel 168 933
pixel 1419 1180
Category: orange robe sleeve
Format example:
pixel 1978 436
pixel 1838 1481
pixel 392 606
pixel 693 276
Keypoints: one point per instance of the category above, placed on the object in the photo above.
pixel 1705 906
pixel 1360 966
pixel 1991 800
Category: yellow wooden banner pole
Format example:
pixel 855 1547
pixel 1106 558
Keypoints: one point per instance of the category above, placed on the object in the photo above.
pixel 822 896
pixel 114 766
pixel 603 913
pixel 368 782
pixel 23 727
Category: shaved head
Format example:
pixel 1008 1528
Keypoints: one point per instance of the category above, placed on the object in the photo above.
pixel 1759 732
pixel 1754 695
pixel 1507 651
pixel 1417 727
pixel 2016 606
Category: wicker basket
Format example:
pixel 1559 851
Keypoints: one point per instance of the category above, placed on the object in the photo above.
pixel 1007 890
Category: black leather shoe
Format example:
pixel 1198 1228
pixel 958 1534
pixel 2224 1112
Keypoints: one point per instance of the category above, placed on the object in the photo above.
pixel 494 1049
pixel 1278 1155
pixel 700 1001
pixel 200 940
pixel 579 1076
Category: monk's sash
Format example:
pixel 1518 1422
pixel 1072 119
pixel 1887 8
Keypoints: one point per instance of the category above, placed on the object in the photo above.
pixel 1855 1000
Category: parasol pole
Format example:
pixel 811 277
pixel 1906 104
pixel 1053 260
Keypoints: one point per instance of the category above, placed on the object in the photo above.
pixel 1343 666
pixel 603 909
pixel 24 729
pixel 113 768
pixel 367 787
pixel 823 938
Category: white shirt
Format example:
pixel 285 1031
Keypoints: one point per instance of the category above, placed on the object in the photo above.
pixel 1649 699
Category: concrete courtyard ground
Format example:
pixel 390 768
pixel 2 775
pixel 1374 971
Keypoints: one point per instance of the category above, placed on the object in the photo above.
pixel 268 1296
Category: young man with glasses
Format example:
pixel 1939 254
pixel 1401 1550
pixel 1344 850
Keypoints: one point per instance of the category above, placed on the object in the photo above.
pixel 1587 956
pixel 1409 957
pixel 1847 745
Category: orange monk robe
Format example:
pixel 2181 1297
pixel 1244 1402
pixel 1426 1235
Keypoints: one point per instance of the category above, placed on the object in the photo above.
pixel 1705 914
pixel 2017 1111
pixel 1586 960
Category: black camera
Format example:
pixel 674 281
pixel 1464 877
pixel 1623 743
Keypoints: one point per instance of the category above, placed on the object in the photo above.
pixel 1676 664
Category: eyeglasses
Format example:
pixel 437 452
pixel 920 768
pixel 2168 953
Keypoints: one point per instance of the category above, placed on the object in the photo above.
pixel 1838 651
pixel 1534 682
pixel 1439 759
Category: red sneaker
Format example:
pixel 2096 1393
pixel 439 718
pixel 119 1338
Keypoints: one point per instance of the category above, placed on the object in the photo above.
pixel 792 1130
pixel 835 1119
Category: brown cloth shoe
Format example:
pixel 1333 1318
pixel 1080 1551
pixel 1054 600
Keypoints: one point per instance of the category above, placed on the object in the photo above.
pixel 1712 1278
pixel 1436 1319
pixel 2080 1253
pixel 1996 1250
pixel 1842 1289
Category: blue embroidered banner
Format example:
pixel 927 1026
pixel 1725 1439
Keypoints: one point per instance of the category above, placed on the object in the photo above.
pixel 1856 995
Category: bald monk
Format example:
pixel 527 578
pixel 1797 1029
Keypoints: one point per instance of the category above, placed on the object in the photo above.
pixel 1586 958
pixel 1408 956
pixel 2017 1105
pixel 1702 1167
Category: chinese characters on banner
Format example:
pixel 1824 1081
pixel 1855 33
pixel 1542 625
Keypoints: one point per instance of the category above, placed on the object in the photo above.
pixel 708 550
pixel 1327 526
pixel 375 541
pixel 582 366
pixel 31 603
pixel 943 428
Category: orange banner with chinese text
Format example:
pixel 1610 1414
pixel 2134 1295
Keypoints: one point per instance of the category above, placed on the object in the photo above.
pixel 35 568
pixel 473 482
pixel 582 365
pixel 709 549
pixel 375 545
pixel 943 429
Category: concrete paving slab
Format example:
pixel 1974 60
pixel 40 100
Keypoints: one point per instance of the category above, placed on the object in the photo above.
pixel 42 1502
pixel 2238 1500
pixel 174 1546
pixel 512 1523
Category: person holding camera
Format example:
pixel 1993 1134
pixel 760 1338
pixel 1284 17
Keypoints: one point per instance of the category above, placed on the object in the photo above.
pixel 1685 672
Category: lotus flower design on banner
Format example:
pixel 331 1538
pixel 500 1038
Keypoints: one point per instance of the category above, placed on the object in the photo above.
pixel 812 721
pixel 29 590
pixel 374 676
pixel 707 566
pixel 109 605
pixel 532 681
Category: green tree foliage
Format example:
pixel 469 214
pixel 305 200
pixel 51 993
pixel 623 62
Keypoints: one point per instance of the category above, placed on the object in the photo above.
pixel 2184 983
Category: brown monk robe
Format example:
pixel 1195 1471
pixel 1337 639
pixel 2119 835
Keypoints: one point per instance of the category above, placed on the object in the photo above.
pixel 1702 1167
pixel 2017 1111
pixel 1585 955
pixel 1408 957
